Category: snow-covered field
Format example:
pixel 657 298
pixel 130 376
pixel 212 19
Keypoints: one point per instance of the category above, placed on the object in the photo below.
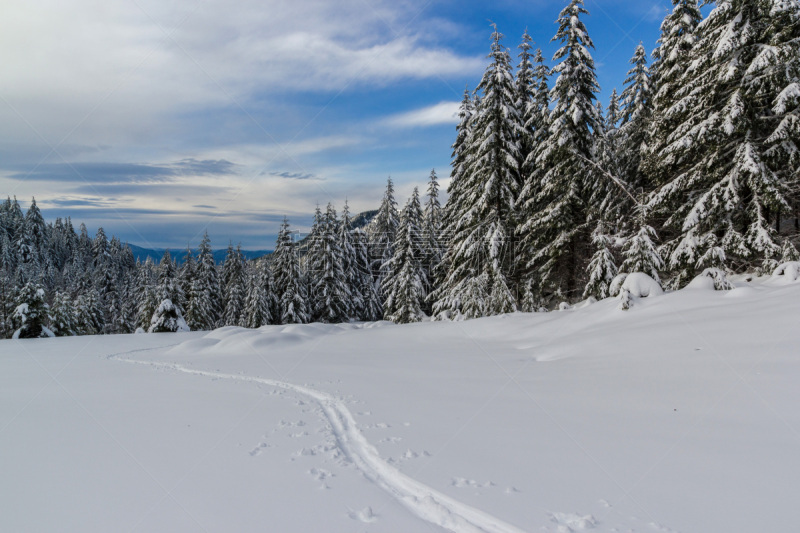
pixel 680 414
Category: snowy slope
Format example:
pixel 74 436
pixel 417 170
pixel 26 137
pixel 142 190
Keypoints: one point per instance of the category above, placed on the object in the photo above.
pixel 677 415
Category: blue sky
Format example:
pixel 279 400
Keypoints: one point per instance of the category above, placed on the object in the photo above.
pixel 160 119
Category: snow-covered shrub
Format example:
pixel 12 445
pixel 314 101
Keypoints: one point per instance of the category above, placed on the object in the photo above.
pixel 790 272
pixel 30 314
pixel 616 284
pixel 712 279
pixel 634 285
pixel 167 318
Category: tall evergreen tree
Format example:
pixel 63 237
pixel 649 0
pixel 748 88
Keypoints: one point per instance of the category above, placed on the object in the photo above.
pixel 482 216
pixel 329 291
pixel 526 109
pixel 404 287
pixel 381 231
pixel 290 288
pixel 433 240
pixel 636 117
pixel 720 193
pixel 353 302
pixel 556 231
pixel 670 60
pixel 205 308
pixel 259 301
pixel 234 285
pixel 372 307
pixel 30 314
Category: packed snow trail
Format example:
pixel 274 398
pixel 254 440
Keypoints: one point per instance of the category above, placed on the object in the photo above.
pixel 422 500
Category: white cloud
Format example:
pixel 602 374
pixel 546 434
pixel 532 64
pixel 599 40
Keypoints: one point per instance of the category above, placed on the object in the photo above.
pixel 441 113
pixel 120 73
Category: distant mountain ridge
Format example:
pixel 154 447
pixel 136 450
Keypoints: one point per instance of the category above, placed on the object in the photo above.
pixel 141 254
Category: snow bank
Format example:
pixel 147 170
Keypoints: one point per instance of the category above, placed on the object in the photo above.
pixel 787 272
pixel 712 279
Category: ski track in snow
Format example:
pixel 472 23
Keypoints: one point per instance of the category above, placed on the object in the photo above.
pixel 422 500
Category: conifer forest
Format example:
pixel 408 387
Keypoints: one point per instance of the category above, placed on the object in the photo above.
pixel 692 167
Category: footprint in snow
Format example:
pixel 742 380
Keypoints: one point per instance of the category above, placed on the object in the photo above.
pixel 570 523
pixel 364 515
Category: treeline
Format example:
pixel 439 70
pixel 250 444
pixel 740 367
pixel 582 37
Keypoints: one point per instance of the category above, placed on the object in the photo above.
pixel 693 166
pixel 55 281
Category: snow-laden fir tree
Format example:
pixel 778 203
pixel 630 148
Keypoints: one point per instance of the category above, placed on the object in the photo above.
pixel 525 89
pixel 636 115
pixel 556 232
pixel 30 315
pixel 721 196
pixel 205 309
pixel 62 318
pixel 381 231
pixel 290 287
pixel 168 286
pixel 782 71
pixel 602 267
pixel 640 252
pixel 186 275
pixel 354 303
pixel 329 293
pixel 259 301
pixel 482 215
pixel 670 60
pixel 372 307
pixel 459 160
pixel 148 299
pixel 89 313
pixel 167 319
pixel 404 286
pixel 233 282
pixel 433 238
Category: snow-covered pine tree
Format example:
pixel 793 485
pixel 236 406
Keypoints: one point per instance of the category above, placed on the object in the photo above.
pixel 381 231
pixel 30 315
pixel 482 216
pixel 602 268
pixel 721 196
pixel 62 316
pixel 259 301
pixel 35 230
pixel 636 115
pixel 89 313
pixel 670 60
pixel 525 91
pixel 186 275
pixel 433 240
pixel 290 287
pixel 556 231
pixel 782 71
pixel 640 252
pixel 372 307
pixel 404 286
pixel 354 303
pixel 167 319
pixel 329 291
pixel 168 286
pixel 233 282
pixel 205 308
pixel 146 293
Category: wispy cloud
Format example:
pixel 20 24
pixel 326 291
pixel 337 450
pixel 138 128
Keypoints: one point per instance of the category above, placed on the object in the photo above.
pixel 124 172
pixel 295 176
pixel 435 115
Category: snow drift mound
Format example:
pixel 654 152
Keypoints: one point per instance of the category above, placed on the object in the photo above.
pixel 787 272
pixel 231 339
